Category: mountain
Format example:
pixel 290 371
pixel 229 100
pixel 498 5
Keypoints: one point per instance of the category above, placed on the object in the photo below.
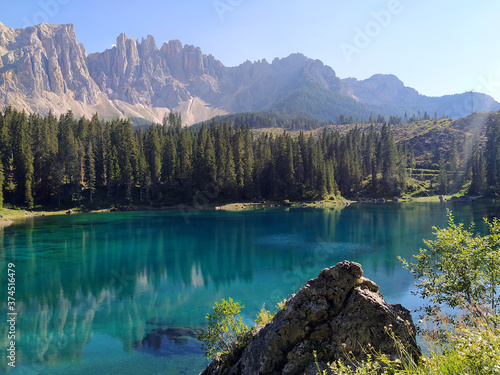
pixel 44 62
pixel 43 68
pixel 388 94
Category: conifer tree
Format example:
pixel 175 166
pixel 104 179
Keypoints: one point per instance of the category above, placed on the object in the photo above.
pixel 101 149
pixel 230 183
pixel 153 154
pixel 90 176
pixel 169 162
pixel 23 159
pixel 454 163
pixel 113 168
pixel 249 192
pixel 298 160
pixel 1 183
pixel 185 152
pixel 388 154
pixel 492 152
pixel 209 165
pixel 239 158
pixel 478 170
pixel 144 172
pixel 443 177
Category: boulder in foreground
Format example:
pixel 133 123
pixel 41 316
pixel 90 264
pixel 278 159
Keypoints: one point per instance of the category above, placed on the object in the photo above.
pixel 338 314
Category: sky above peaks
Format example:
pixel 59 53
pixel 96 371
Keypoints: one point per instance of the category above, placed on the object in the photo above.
pixel 437 47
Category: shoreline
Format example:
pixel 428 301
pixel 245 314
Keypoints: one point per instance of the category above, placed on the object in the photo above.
pixel 10 217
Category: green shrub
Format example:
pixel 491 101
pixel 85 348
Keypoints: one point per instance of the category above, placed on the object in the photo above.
pixel 460 269
pixel 263 316
pixel 225 326
pixel 468 350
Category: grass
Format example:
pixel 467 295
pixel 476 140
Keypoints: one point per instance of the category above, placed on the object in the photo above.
pixel 468 350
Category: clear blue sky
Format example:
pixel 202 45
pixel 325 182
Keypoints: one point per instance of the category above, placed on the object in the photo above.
pixel 438 47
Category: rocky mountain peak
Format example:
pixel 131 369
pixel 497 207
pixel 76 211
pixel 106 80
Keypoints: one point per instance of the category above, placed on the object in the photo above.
pixel 148 46
pixel 6 35
pixel 45 58
pixel 173 47
pixel 44 68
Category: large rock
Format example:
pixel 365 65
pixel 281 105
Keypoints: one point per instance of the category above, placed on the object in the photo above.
pixel 339 314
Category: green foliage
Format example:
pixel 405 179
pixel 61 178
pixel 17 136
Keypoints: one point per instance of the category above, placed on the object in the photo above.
pixel 50 161
pixel 460 269
pixel 1 183
pixel 492 152
pixel 470 350
pixel 224 329
pixel 467 351
pixel 256 120
pixel 375 363
pixel 263 316
pixel 281 305
pixel 310 100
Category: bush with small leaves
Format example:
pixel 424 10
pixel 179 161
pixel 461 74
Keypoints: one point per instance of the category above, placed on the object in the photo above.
pixel 263 316
pixel 460 269
pixel 225 326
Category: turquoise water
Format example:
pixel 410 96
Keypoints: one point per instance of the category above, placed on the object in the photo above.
pixel 125 293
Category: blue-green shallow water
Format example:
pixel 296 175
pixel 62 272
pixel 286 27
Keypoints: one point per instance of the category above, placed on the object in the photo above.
pixel 89 288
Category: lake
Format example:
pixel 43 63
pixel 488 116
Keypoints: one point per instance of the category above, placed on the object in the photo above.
pixel 127 292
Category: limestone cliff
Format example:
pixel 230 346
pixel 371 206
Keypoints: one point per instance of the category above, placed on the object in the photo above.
pixel 43 68
pixel 340 312
pixel 45 58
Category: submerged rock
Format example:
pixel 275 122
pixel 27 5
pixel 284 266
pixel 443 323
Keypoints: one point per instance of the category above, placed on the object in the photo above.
pixel 178 335
pixel 339 314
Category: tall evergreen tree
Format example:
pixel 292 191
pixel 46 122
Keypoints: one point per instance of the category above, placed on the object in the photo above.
pixel 90 176
pixel 209 166
pixel 492 152
pixel 169 163
pixel 443 177
pixel 238 147
pixel 153 154
pixel 1 183
pixel 249 186
pixel 185 152
pixel 230 186
pixel 388 154
pixel 23 159
pixel 113 168
pixel 144 171
pixel 478 180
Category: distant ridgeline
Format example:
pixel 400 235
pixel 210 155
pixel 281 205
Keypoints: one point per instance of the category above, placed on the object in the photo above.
pixel 288 121
pixel 69 161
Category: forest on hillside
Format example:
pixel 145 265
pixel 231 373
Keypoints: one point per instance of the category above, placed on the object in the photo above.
pixel 67 161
